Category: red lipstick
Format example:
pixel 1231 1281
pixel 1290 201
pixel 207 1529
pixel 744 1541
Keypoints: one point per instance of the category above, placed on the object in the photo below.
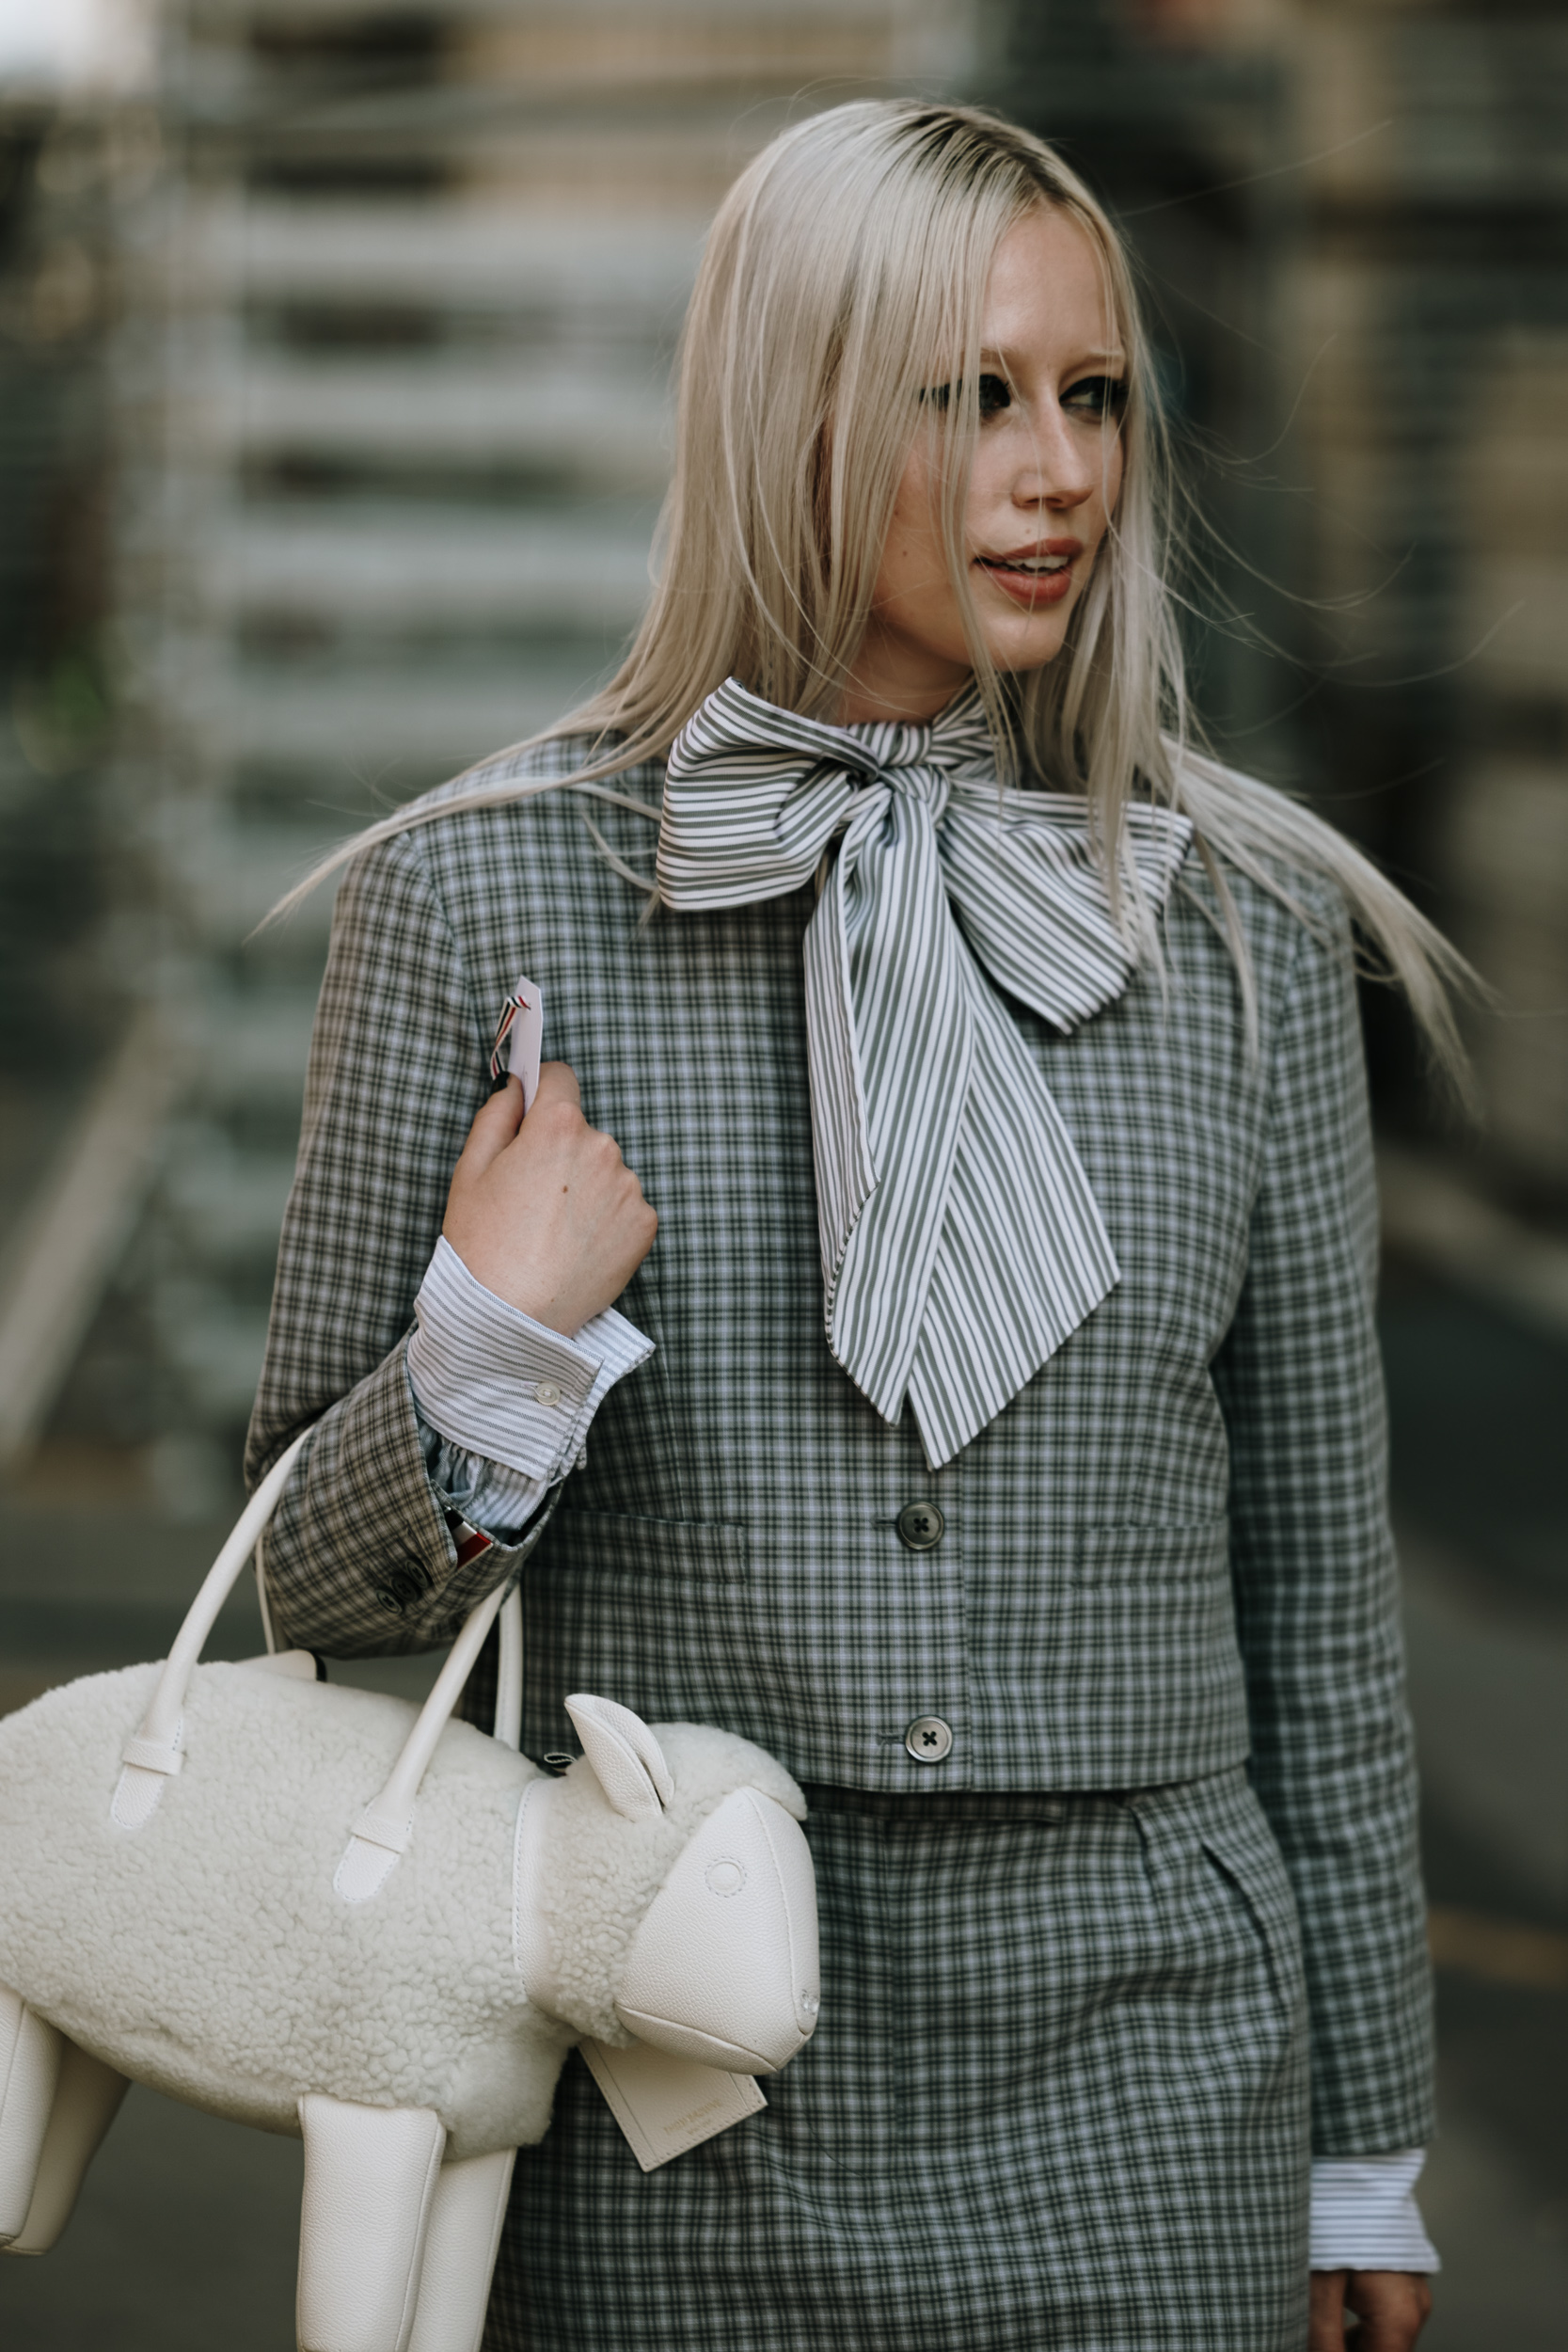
pixel 1037 573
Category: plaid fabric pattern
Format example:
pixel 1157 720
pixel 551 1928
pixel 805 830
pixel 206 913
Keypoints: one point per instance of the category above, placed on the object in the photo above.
pixel 1057 2096
pixel 1170 1550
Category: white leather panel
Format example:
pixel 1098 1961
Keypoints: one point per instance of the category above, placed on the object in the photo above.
pixel 30 2052
pixel 155 1755
pixel 797 1881
pixel 392 1830
pixel 624 1754
pixel 138 1794
pixel 638 1735
pixel 688 2042
pixel 85 2104
pixel 298 1665
pixel 531 1941
pixel 724 1967
pixel 466 2217
pixel 364 1870
pixel 370 2175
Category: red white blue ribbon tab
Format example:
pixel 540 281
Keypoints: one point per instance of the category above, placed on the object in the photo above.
pixel 519 1038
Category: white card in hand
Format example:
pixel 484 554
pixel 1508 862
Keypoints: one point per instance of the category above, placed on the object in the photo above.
pixel 527 1038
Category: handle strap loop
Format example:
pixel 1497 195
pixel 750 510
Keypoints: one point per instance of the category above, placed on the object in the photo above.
pixel 155 1748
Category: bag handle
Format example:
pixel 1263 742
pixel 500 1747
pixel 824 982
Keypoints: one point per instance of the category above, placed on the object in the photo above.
pixel 154 1754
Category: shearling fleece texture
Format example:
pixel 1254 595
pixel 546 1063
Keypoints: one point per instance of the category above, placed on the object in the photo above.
pixel 207 1954
pixel 602 1871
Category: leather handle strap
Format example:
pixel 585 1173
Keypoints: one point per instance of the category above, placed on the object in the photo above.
pixel 160 1723
pixel 155 1746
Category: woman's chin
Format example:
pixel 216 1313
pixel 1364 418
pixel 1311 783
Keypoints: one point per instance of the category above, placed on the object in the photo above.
pixel 1017 650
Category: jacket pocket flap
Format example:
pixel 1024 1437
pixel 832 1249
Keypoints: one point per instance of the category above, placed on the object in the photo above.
pixel 620 1542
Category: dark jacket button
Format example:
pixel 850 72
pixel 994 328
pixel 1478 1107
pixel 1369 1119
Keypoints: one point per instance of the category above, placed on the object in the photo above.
pixel 921 1525
pixel 401 1587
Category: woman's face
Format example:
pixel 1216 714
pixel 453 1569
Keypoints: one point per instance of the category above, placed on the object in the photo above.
pixel 1048 468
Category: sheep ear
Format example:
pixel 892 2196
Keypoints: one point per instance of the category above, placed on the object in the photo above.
pixel 627 1759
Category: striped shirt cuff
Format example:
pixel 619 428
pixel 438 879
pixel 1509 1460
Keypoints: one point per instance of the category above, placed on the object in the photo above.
pixel 485 1502
pixel 494 1382
pixel 1365 2216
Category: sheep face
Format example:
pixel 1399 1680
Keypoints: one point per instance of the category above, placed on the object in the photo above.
pixel 664 1893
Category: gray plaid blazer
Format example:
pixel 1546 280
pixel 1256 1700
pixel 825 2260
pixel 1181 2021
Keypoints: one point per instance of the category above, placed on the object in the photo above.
pixel 1169 1554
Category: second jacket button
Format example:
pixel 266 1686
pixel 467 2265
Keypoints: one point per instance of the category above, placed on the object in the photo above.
pixel 920 1525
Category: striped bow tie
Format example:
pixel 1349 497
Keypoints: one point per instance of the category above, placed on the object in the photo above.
pixel 962 1243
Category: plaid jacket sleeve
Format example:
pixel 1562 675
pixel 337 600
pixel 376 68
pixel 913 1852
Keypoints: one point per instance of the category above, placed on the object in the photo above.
pixel 1300 1382
pixel 362 1555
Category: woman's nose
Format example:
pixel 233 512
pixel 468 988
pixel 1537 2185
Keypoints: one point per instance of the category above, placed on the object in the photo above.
pixel 1056 468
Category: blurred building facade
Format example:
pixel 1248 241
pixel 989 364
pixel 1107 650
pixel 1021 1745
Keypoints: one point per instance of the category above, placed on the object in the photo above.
pixel 336 416
pixel 386 462
pixel 1354 217
pixel 1432 311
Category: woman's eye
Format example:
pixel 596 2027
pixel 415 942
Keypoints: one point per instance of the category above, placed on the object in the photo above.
pixel 1097 396
pixel 995 395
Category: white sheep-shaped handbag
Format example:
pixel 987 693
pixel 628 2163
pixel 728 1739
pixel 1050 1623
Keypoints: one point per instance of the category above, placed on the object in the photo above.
pixel 216 1880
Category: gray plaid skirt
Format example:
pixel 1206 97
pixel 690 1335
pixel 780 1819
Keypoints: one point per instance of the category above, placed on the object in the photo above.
pixel 1057 2097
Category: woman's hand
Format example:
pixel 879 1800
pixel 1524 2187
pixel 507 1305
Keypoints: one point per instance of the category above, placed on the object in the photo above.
pixel 1393 2306
pixel 543 1209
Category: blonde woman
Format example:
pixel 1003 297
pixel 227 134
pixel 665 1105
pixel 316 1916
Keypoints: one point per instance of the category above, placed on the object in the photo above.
pixel 994 1429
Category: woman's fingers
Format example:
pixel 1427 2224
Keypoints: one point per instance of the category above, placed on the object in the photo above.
pixel 1392 2306
pixel 499 1121
pixel 543 1209
pixel 496 1123
pixel 495 1127
pixel 1327 2325
pixel 557 1082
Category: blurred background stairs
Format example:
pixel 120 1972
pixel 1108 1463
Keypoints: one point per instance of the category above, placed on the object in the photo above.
pixel 382 388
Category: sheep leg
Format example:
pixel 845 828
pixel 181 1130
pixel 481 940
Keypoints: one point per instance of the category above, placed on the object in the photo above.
pixel 460 2252
pixel 84 2105
pixel 370 2177
pixel 29 2073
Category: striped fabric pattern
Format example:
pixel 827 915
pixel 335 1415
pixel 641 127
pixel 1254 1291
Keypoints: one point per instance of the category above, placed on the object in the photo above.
pixel 960 1241
pixel 491 1379
pixel 1365 2216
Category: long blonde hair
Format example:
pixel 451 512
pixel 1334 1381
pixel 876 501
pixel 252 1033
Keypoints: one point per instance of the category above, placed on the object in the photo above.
pixel 850 258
